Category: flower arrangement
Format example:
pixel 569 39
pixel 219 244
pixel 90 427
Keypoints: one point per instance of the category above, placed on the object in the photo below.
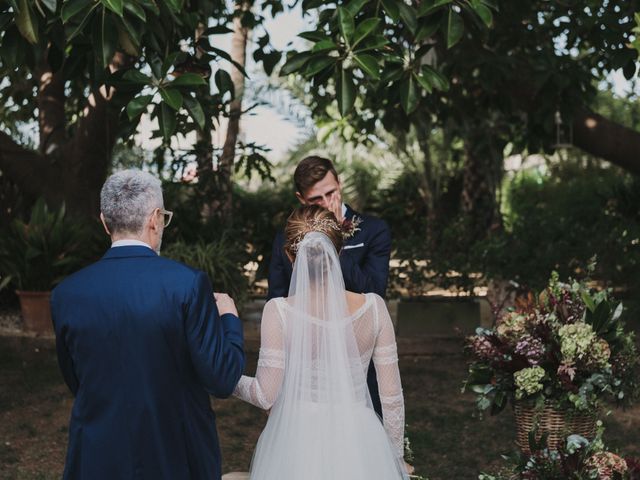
pixel 567 347
pixel 578 459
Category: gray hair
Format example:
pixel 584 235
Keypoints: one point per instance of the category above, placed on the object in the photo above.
pixel 127 199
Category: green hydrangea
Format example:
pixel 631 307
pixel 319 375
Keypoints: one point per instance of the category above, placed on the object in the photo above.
pixel 575 341
pixel 528 381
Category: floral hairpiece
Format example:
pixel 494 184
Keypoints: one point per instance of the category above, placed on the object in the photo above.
pixel 324 225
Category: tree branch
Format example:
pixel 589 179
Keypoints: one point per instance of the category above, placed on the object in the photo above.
pixel 608 140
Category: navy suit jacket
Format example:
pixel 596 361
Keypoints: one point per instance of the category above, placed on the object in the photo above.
pixel 141 345
pixel 364 259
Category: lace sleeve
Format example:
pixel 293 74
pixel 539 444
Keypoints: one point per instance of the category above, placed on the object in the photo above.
pixel 385 359
pixel 262 390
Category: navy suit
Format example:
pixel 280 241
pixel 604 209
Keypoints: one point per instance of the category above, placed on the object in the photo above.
pixel 365 267
pixel 141 345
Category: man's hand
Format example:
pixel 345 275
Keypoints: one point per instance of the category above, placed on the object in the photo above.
pixel 335 206
pixel 225 304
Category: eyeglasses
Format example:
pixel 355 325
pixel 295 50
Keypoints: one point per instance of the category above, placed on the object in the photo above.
pixel 168 215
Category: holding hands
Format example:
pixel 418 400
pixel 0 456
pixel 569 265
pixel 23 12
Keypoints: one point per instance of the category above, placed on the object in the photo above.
pixel 225 304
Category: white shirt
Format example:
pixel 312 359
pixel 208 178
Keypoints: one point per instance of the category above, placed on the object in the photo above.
pixel 344 211
pixel 130 243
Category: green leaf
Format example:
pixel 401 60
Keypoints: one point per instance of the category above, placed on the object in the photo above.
pixel 430 6
pixel 347 24
pixel 224 82
pixel 424 82
pixel 51 5
pixel 435 78
pixel 188 79
pixel 369 65
pixel 346 92
pixel 295 63
pixel 364 29
pixel 427 30
pixel 391 7
pixel 313 36
pixel 409 17
pixel 195 110
pixel 455 28
pixel 217 30
pixel 137 77
pixel 72 7
pixel 174 5
pixel 317 64
pixel 114 5
pixel 136 9
pixel 483 12
pixel 138 105
pixel 167 120
pixel 25 23
pixel 588 301
pixel 324 45
pixel 354 6
pixel 374 43
pixel 408 95
pixel 171 97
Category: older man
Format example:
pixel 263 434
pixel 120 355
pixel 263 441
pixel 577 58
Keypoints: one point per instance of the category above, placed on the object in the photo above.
pixel 141 344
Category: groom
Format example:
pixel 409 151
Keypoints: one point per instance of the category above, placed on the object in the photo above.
pixel 365 255
pixel 141 344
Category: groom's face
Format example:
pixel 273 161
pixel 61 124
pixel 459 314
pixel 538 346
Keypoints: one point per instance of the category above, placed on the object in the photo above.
pixel 325 192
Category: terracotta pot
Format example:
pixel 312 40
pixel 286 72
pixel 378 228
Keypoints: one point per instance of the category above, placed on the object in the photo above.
pixel 36 312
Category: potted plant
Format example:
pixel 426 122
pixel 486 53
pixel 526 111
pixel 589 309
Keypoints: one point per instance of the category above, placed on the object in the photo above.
pixel 35 256
pixel 577 458
pixel 555 357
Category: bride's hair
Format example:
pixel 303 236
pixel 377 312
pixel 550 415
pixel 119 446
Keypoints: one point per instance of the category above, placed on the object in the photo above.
pixel 307 219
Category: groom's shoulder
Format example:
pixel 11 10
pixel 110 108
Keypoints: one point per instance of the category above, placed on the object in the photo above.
pixel 372 223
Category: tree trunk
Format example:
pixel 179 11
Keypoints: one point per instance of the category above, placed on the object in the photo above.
pixel 70 170
pixel 480 182
pixel 225 164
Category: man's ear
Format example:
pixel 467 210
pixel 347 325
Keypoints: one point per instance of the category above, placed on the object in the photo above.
pixel 153 221
pixel 104 224
pixel 301 198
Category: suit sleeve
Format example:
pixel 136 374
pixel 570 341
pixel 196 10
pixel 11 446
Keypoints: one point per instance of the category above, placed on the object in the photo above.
pixel 278 279
pixel 215 342
pixel 64 356
pixel 372 273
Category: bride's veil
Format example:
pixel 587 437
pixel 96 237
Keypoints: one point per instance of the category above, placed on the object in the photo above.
pixel 323 410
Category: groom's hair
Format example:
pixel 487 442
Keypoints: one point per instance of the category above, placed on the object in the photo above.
pixel 128 198
pixel 310 171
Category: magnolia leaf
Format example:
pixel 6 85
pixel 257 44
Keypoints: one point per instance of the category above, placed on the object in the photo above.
pixel 195 110
pixel 455 28
pixel 346 92
pixel 171 97
pixel 138 105
pixel 369 65
pixel 26 24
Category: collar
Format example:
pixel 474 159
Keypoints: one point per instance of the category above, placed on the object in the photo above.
pixel 126 251
pixel 129 242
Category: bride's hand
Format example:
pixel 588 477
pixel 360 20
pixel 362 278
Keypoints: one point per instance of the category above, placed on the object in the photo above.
pixel 225 304
pixel 409 468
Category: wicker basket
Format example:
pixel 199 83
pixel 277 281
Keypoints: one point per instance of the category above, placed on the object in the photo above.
pixel 557 423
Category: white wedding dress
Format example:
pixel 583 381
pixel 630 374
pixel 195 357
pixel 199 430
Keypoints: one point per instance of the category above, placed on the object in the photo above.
pixel 311 374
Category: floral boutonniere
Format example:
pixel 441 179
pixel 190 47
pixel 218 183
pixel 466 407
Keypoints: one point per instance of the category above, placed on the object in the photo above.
pixel 350 227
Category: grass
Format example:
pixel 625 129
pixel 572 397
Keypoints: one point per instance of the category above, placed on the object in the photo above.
pixel 447 441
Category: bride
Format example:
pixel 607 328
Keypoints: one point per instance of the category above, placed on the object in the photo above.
pixel 316 345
